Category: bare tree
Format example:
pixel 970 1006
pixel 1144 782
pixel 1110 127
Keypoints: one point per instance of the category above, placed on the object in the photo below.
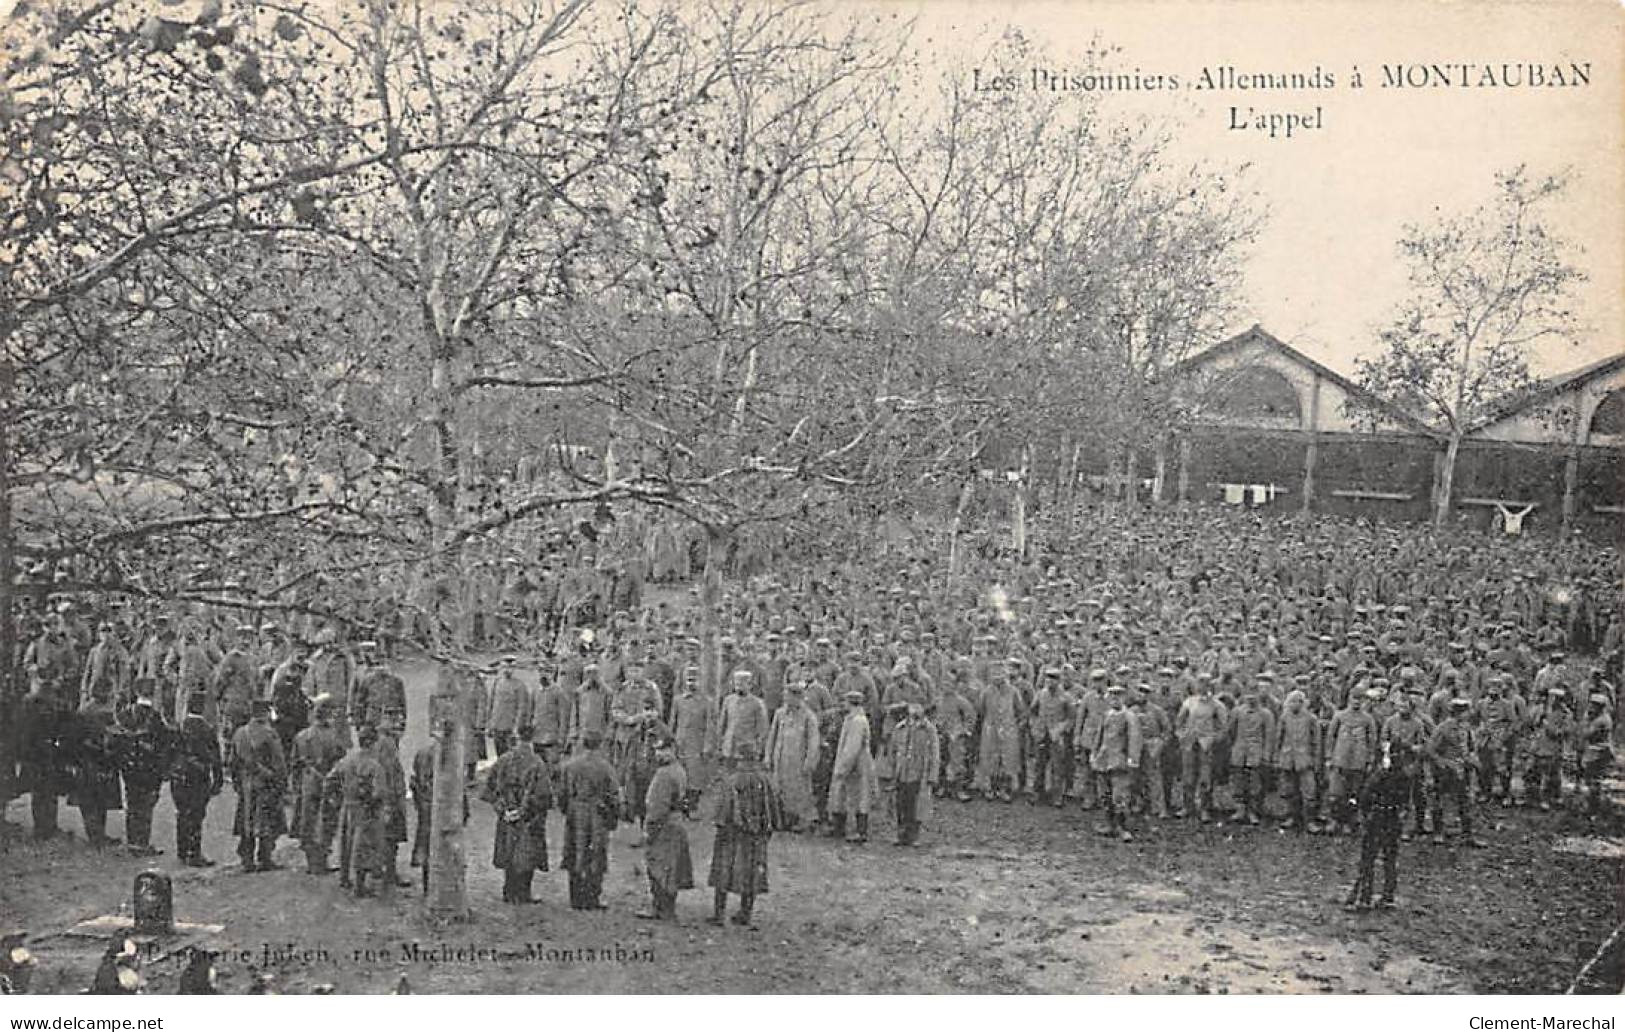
pixel 1486 287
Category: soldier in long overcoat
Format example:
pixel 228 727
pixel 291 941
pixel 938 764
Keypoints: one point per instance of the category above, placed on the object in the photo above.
pixel 316 750
pixel 356 798
pixel 670 867
pixel 793 745
pixel 259 770
pixel 590 799
pixel 853 779
pixel 520 789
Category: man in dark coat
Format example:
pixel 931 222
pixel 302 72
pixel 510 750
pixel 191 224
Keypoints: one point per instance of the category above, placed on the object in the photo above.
pixel 670 867
pixel 747 812
pixel 1382 802
pixel 143 745
pixel 195 775
pixel 42 725
pixel 520 788
pixel 590 799
pixel 96 788
pixel 259 770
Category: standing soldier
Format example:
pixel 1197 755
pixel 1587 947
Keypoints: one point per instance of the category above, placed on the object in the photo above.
pixel 108 669
pixel 510 705
pixel 916 757
pixel 742 719
pixel 197 774
pixel 1351 743
pixel 1382 802
pixel 793 745
pixel 236 684
pixel 1500 715
pixel 259 770
pixel 143 749
pixel 1115 757
pixel 1405 730
pixel 520 789
pixel 1251 732
pixel 316 750
pixel 331 672
pixel 589 710
pixel 1198 725
pixel 43 727
pixel 999 709
pixel 1451 752
pixel 670 867
pixel 1087 716
pixel 1049 737
pixel 852 778
pixel 956 721
pixel 747 813
pixel 1552 732
pixel 1297 756
pixel 693 719
pixel 356 797
pixel 1597 752
pixel 379 697
pixel 590 800
pixel 95 788
pixel 1154 727
pixel 550 714
pixel 194 661
pixel 290 709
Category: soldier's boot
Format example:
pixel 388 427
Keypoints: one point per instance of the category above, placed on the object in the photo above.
pixel 362 890
pixel 747 903
pixel 837 825
pixel 719 907
pixel 316 863
pixel 861 834
pixel 1120 816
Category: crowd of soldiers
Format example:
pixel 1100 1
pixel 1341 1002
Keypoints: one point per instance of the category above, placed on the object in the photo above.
pixel 1181 663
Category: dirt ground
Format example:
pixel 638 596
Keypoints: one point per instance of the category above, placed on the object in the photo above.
pixel 998 898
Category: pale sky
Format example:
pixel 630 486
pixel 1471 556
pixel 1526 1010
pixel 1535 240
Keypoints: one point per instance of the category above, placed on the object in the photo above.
pixel 1325 272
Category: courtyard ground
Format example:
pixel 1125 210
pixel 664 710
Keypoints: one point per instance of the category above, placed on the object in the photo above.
pixel 998 898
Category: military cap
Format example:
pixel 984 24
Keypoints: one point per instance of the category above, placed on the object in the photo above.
pixel 1599 698
pixel 1460 703
pixel 854 696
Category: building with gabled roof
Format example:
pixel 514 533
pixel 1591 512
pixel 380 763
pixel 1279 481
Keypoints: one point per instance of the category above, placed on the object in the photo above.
pixel 1271 427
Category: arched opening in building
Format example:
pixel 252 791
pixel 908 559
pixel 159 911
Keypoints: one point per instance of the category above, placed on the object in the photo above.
pixel 1609 418
pixel 1256 394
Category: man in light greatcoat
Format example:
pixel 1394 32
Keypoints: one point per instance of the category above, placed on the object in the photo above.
pixel 1297 756
pixel 853 782
pixel 793 745
pixel 1115 756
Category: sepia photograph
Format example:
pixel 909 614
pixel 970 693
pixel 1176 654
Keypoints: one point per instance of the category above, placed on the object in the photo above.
pixel 1109 498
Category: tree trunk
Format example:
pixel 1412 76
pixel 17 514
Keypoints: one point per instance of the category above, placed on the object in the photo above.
pixel 1159 471
pixel 448 859
pixel 1447 482
pixel 1071 501
pixel 716 548
pixel 1018 524
pixel 9 693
